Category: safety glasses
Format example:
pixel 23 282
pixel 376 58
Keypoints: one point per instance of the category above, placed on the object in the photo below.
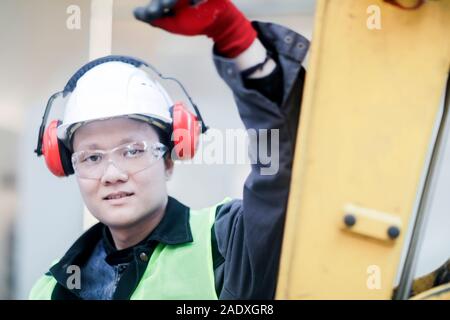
pixel 130 158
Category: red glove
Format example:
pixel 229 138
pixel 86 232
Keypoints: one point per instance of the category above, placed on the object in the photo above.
pixel 406 5
pixel 220 20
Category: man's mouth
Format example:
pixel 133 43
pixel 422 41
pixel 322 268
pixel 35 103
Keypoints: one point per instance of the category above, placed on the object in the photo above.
pixel 118 195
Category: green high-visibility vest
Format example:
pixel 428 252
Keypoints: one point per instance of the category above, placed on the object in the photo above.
pixel 182 271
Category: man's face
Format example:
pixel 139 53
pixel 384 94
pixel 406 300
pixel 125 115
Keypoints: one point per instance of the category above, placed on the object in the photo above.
pixel 146 190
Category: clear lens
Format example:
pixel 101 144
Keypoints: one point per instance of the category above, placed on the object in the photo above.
pixel 130 158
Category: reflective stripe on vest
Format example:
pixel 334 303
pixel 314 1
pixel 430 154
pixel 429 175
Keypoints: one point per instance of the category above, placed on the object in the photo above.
pixel 182 271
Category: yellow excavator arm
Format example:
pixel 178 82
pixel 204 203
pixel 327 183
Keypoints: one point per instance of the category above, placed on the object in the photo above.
pixel 365 147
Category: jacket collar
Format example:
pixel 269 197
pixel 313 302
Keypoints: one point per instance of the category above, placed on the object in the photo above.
pixel 173 229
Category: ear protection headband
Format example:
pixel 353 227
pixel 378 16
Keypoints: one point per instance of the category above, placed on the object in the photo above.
pixel 58 156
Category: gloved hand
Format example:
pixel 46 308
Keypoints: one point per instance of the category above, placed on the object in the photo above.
pixel 406 4
pixel 220 20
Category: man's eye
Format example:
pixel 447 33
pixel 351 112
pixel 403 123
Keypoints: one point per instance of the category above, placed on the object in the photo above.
pixel 133 152
pixel 94 158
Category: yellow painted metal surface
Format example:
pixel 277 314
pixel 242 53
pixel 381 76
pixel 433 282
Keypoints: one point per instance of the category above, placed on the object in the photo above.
pixel 372 223
pixel 370 103
pixel 438 293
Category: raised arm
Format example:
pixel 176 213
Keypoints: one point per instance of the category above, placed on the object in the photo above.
pixel 261 63
pixel 249 232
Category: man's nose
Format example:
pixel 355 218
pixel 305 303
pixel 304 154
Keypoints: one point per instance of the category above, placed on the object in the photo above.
pixel 113 174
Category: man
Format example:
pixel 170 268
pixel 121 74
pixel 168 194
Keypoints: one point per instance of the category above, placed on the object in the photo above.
pixel 148 245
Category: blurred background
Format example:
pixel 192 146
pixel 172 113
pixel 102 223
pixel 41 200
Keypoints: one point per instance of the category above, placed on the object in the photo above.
pixel 43 44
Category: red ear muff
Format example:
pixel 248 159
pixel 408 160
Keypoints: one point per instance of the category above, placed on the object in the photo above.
pixel 186 132
pixel 57 156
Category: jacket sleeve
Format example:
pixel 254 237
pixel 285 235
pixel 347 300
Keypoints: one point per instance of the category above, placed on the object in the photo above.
pixel 249 232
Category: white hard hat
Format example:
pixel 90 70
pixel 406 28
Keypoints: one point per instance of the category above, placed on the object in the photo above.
pixel 114 89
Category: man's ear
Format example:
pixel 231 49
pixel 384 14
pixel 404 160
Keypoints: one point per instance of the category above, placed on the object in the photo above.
pixel 169 164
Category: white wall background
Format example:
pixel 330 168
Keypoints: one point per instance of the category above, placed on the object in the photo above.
pixel 38 53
